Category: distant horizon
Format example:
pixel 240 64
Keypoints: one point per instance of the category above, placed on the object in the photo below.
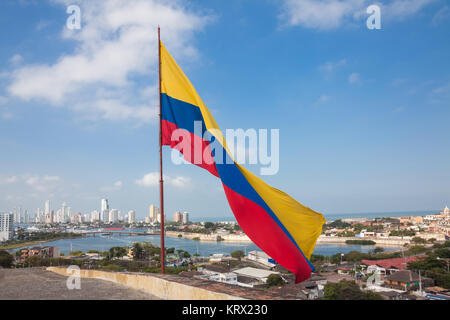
pixel 353 215
pixel 231 217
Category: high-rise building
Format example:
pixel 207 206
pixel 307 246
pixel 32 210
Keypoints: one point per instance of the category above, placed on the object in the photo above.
pixel 6 226
pixel 95 216
pixel 177 217
pixel 26 218
pixel 104 210
pixel 154 213
pixel 185 217
pixel 76 219
pixel 64 212
pixel 113 216
pixel 131 216
pixel 47 208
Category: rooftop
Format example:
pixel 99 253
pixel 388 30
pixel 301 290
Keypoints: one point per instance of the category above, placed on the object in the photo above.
pixel 405 276
pixel 254 272
pixel 394 263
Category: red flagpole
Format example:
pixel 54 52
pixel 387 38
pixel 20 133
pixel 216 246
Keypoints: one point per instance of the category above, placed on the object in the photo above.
pixel 161 180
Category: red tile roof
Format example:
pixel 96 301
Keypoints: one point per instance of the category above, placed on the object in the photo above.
pixel 397 263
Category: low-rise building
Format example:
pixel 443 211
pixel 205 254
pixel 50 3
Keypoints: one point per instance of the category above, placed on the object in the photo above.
pixel 407 280
pixel 43 252
pixel 261 257
pixel 389 265
pixel 259 274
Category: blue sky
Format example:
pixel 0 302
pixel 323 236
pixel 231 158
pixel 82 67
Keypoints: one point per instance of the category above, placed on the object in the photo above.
pixel 364 115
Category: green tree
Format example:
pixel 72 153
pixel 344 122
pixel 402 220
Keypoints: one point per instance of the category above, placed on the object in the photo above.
pixel 209 225
pixel 6 259
pixel 275 280
pixel 378 250
pixel 348 290
pixel 418 240
pixel 414 250
pixel 137 251
pixel 117 252
pixel 238 254
pixel 338 224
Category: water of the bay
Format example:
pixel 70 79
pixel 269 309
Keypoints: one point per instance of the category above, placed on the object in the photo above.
pixel 205 249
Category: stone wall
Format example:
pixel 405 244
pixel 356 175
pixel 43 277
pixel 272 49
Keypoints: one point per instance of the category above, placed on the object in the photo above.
pixel 152 284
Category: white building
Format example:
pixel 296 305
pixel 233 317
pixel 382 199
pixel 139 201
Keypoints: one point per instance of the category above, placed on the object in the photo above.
pixel 154 214
pixel 6 226
pixel 261 257
pixel 104 212
pixel 131 216
pixel 95 216
pixel 259 274
pixel 178 217
pixel 47 207
pixel 76 219
pixel 185 217
pixel 113 216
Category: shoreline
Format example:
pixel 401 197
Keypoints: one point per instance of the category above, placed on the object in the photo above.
pixel 379 242
pixel 32 243
pixel 209 237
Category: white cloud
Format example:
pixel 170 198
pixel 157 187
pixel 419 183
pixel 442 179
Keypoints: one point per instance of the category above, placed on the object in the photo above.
pixel 323 99
pixel 116 186
pixel 399 109
pixel 152 179
pixel 443 89
pixel 16 59
pixel 6 115
pixel 36 182
pixel 401 9
pixel 8 180
pixel 330 67
pixel 440 16
pixel 32 181
pixel 52 178
pixel 331 14
pixel 354 78
pixel 42 25
pixel 117 42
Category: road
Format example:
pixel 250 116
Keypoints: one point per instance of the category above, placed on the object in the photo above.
pixel 39 284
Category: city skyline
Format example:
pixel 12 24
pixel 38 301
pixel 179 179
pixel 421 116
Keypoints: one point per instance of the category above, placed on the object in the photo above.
pixel 344 147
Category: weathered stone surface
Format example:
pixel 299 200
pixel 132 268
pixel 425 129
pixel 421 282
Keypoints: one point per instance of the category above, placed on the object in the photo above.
pixel 39 284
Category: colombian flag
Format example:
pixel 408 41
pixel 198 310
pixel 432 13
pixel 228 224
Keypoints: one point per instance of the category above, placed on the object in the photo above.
pixel 280 226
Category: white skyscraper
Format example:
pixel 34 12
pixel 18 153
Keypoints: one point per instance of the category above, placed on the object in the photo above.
pixel 6 226
pixel 154 214
pixel 131 216
pixel 104 210
pixel 47 208
pixel 95 216
pixel 185 217
pixel 64 212
pixel 113 216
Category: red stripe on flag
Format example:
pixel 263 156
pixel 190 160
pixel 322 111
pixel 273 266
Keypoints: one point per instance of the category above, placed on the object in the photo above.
pixel 207 161
pixel 267 235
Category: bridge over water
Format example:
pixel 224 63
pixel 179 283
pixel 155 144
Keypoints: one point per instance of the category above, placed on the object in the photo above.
pixel 111 232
